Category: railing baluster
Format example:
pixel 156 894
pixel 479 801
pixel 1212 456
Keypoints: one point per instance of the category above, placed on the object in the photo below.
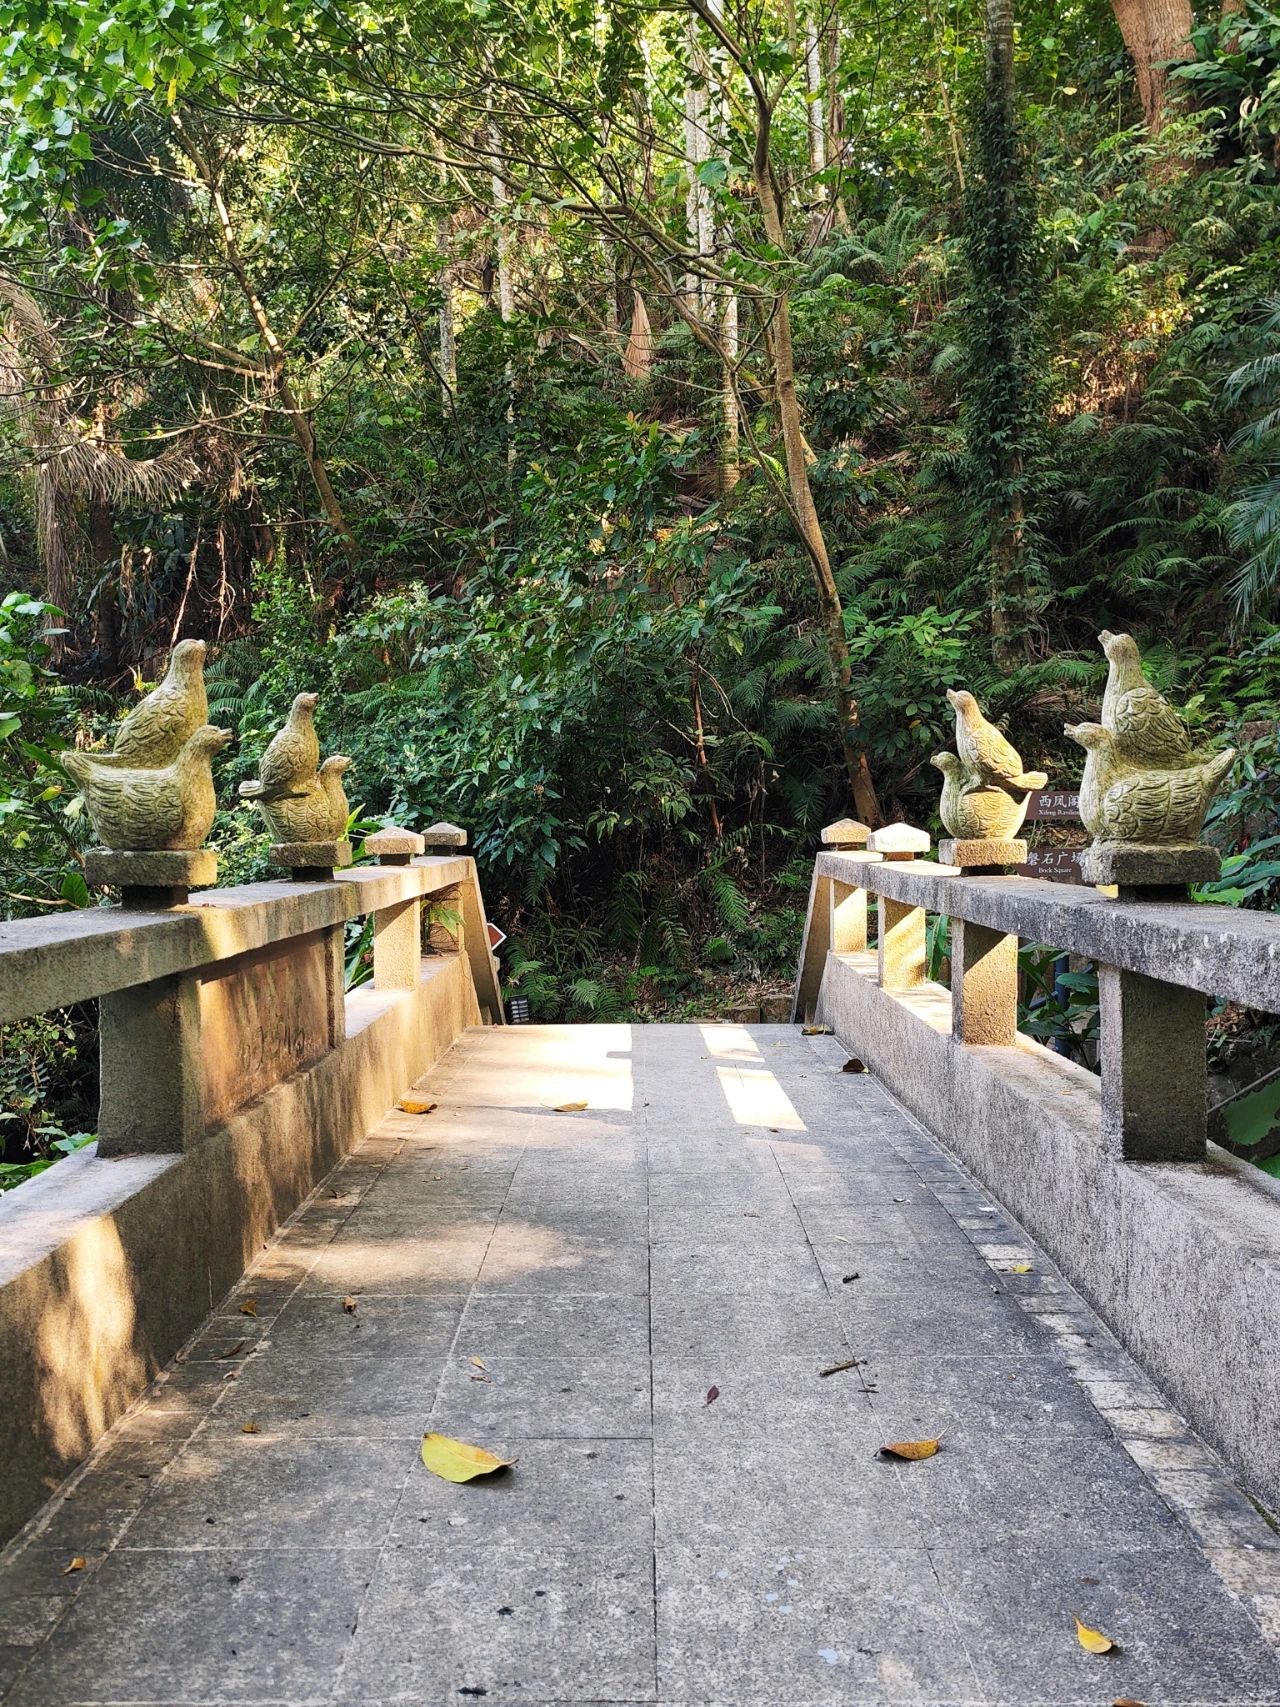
pixel 984 985
pixel 1154 1073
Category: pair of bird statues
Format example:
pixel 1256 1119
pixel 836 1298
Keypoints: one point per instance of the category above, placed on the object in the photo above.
pixel 154 790
pixel 1144 784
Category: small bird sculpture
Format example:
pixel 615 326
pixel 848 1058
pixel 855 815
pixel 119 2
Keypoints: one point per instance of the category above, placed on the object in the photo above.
pixel 318 814
pixel 171 806
pixel 291 760
pixel 155 731
pixel 974 810
pixel 1145 727
pixel 1146 806
pixel 985 753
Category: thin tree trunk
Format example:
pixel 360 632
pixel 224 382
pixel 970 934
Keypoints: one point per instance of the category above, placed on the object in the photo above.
pixel 805 511
pixel 944 97
pixel 1154 32
pixel 276 363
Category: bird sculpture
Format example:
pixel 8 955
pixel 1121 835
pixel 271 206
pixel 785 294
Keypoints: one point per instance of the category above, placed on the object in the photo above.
pixel 1144 726
pixel 974 810
pixel 169 806
pixel 318 813
pixel 984 752
pixel 155 731
pixel 1147 806
pixel 289 765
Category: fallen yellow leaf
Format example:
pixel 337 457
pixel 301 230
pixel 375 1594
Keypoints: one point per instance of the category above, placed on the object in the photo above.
pixel 415 1105
pixel 77 1564
pixel 815 1031
pixel 249 1307
pixel 1093 1641
pixel 479 1363
pixel 350 1305
pixel 458 1460
pixel 1127 1701
pixel 911 1448
pixel 1021 1268
pixel 569 1107
pixel 249 1428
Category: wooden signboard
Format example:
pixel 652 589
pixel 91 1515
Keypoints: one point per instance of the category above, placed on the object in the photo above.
pixel 1055 864
pixel 1054 806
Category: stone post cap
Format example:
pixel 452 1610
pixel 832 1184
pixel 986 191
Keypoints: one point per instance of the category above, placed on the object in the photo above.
pixel 847 833
pixel 444 836
pixel 394 843
pixel 898 841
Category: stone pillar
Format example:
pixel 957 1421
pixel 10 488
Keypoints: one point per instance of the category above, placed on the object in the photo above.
pixel 335 937
pixel 848 918
pixel 151 1075
pixel 445 936
pixel 901 953
pixel 902 945
pixel 397 931
pixel 444 838
pixel 1154 1103
pixel 984 985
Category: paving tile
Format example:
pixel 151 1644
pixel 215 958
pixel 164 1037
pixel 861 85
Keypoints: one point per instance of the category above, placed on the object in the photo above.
pixel 523 1256
pixel 1029 1488
pixel 983 1397
pixel 274 1492
pixel 759 1488
pixel 753 1270
pixel 599 1492
pixel 381 1254
pixel 379 1326
pixel 1179 1635
pixel 577 1619
pixel 783 1395
pixel 741 1622
pixel 523 1324
pixel 196 1627
pixel 717 1325
pixel 307 1391
pixel 566 1397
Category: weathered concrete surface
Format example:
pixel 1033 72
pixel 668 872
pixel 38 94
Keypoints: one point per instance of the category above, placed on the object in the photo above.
pixel 107 1265
pixel 1182 1260
pixel 568 1288
pixel 1221 951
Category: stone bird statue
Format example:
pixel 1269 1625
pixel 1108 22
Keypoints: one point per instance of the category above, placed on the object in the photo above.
pixel 289 765
pixel 171 806
pixel 1145 727
pixel 974 810
pixel 1148 806
pixel 985 753
pixel 158 727
pixel 318 814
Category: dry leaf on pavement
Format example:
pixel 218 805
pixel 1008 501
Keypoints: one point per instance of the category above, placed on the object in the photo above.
pixel 853 1065
pixel 415 1105
pixel 249 1428
pixel 249 1307
pixel 1093 1641
pixel 458 1460
pixel 911 1449
pixel 569 1107
pixel 77 1564
pixel 713 1393
pixel 350 1305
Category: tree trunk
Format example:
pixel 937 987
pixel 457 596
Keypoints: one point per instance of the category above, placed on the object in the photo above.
pixel 276 363
pixel 830 610
pixel 1154 31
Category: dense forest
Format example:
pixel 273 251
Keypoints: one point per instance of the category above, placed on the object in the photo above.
pixel 631 420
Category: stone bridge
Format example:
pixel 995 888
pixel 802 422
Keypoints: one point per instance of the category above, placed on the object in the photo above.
pixel 691 1278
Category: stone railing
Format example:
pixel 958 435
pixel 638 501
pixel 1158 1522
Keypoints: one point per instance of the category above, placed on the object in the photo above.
pixel 1182 1257
pixel 235 1071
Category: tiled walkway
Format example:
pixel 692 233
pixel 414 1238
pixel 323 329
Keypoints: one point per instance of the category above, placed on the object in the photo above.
pixel 729 1212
